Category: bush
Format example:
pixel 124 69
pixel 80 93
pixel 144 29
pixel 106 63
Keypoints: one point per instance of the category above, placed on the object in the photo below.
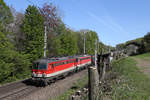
pixel 13 65
pixel 147 42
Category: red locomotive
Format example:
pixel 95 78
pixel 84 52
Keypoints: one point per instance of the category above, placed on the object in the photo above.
pixel 46 70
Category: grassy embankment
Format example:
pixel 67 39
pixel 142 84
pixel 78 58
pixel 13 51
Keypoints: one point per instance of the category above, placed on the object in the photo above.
pixel 79 84
pixel 132 83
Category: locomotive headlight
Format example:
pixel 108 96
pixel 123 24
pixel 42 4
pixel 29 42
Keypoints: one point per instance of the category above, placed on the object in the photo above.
pixel 44 75
pixel 33 74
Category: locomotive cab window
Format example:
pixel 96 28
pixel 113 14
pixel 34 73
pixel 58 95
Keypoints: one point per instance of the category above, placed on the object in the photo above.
pixel 52 65
pixel 35 65
pixel 77 59
pixel 42 66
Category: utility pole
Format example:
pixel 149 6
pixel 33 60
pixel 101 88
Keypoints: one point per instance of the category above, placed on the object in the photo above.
pixel 108 47
pixel 45 41
pixel 84 43
pixel 97 47
pixel 96 53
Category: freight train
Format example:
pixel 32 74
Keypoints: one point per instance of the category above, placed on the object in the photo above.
pixel 49 69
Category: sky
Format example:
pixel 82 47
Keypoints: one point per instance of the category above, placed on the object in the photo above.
pixel 115 21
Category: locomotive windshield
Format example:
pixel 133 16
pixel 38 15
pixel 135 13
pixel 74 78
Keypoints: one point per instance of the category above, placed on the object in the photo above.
pixel 42 66
pixel 39 66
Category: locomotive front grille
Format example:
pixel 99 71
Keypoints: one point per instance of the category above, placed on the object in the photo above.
pixel 38 75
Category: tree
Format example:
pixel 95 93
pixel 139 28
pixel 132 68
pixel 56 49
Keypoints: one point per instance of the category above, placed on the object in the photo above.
pixel 80 42
pixel 5 19
pixel 34 30
pixel 120 46
pixel 19 35
pixel 51 21
pixel 91 37
pixel 101 47
pixel 49 12
pixel 68 43
pixel 5 14
pixel 13 64
pixel 55 47
pixel 147 42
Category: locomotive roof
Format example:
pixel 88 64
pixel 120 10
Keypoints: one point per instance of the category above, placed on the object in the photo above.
pixel 49 60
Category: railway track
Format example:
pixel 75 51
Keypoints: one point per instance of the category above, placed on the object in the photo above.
pixel 22 89
pixel 16 94
pixel 16 90
pixel 51 92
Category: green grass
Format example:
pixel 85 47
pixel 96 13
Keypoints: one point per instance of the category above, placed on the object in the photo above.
pixel 143 56
pixel 132 83
pixel 79 84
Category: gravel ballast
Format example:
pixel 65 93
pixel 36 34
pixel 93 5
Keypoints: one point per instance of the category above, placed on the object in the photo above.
pixel 55 89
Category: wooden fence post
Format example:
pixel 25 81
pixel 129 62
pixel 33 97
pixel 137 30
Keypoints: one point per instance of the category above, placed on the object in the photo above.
pixel 104 71
pixel 99 66
pixel 93 83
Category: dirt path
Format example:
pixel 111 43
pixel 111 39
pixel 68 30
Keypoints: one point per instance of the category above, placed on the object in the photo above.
pixel 144 65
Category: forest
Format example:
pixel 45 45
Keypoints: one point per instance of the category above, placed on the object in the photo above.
pixel 142 43
pixel 22 39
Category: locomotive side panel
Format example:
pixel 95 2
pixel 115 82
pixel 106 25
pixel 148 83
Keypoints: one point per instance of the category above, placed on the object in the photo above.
pixel 85 61
pixel 61 67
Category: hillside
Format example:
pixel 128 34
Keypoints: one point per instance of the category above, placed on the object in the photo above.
pixel 133 78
